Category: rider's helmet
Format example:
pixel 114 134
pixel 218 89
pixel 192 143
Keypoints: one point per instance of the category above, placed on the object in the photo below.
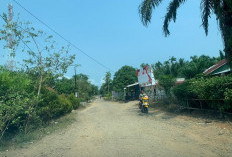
pixel 145 97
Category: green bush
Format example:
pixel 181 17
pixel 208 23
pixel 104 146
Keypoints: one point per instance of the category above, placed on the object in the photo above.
pixel 183 91
pixel 167 82
pixel 228 95
pixel 49 106
pixel 228 99
pixel 215 91
pixel 53 105
pixel 107 98
pixel 20 108
pixel 66 105
pixel 211 88
pixel 16 99
pixel 74 101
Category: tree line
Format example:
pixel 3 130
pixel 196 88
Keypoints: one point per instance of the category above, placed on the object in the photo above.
pixel 213 91
pixel 218 87
pixel 126 75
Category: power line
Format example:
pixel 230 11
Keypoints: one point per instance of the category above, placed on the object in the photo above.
pixel 25 44
pixel 54 31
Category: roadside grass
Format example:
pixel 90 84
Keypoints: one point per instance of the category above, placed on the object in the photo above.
pixel 21 140
pixel 173 108
pixel 164 105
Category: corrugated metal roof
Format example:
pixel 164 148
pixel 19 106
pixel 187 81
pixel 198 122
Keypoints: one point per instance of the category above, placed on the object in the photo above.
pixel 132 84
pixel 216 66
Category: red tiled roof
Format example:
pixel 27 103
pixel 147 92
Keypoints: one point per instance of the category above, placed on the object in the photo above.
pixel 216 66
pixel 177 82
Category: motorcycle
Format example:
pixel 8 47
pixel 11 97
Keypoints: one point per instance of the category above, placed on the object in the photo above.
pixel 145 104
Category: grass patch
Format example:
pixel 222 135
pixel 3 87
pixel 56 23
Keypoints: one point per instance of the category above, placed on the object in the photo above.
pixel 22 140
pixel 172 107
pixel 165 104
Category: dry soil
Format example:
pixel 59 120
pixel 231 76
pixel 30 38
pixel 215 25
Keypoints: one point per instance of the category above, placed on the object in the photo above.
pixel 111 129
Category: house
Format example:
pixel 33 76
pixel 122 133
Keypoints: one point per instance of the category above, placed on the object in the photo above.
pixel 131 92
pixel 221 68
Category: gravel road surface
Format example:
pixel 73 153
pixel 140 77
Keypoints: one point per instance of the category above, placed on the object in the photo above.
pixel 111 129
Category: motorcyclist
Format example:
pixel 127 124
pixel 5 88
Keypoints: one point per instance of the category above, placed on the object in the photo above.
pixel 141 95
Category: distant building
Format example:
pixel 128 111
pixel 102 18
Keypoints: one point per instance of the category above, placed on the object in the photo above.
pixel 221 68
pixel 159 92
pixel 131 92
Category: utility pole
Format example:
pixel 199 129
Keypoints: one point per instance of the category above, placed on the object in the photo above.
pixel 76 93
pixel 108 86
pixel 10 62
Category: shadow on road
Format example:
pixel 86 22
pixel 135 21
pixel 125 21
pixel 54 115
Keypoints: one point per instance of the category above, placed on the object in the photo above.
pixel 153 112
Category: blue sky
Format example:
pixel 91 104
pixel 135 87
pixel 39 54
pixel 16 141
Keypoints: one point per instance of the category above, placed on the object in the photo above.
pixel 111 32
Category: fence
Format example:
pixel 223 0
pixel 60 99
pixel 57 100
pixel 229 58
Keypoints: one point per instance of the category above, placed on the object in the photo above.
pixel 215 105
pixel 205 104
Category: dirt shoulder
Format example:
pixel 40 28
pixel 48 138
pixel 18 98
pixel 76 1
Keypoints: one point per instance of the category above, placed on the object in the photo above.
pixel 120 129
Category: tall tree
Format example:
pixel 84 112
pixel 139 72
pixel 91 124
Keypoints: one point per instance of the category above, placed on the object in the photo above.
pixel 108 81
pixel 107 85
pixel 123 77
pixel 221 8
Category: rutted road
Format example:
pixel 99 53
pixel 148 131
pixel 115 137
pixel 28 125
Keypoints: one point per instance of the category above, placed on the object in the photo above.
pixel 110 129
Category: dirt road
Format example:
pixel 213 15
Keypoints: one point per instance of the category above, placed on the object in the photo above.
pixel 109 129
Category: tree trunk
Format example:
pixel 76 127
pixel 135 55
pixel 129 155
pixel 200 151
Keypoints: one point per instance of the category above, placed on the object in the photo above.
pixel 225 20
pixel 41 69
pixel 40 85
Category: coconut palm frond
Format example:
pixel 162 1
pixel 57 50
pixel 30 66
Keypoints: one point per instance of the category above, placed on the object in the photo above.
pixel 171 14
pixel 145 10
pixel 206 8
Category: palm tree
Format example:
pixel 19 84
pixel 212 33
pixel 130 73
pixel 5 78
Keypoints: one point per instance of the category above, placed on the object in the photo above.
pixel 221 8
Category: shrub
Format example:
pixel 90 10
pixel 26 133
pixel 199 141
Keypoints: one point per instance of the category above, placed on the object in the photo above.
pixel 74 101
pixel 228 99
pixel 21 110
pixel 107 98
pixel 16 99
pixel 183 91
pixel 53 105
pixel 49 106
pixel 167 82
pixel 211 88
pixel 66 105
pixel 216 91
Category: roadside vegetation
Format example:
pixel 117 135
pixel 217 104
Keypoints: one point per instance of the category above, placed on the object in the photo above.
pixel 35 93
pixel 22 140
pixel 198 91
pixel 124 76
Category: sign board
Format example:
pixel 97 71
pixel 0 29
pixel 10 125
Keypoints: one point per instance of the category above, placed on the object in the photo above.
pixel 146 76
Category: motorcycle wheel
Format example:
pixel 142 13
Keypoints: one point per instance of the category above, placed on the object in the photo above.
pixel 142 109
pixel 145 110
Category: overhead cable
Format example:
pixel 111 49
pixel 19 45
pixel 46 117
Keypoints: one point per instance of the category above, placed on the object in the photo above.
pixel 54 31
